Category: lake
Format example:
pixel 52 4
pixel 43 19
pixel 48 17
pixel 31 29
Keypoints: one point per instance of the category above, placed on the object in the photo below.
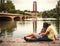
pixel 22 28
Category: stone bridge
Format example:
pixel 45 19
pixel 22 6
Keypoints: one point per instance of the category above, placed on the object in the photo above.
pixel 13 17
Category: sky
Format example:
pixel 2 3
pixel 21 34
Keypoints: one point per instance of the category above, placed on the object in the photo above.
pixel 42 5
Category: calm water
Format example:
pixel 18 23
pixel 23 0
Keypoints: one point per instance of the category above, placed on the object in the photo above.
pixel 22 28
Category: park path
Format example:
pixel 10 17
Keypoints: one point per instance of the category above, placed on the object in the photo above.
pixel 10 41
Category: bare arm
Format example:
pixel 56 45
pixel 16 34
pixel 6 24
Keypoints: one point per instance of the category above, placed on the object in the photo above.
pixel 44 33
pixel 55 38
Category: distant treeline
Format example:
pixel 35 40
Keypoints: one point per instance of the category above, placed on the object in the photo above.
pixel 54 13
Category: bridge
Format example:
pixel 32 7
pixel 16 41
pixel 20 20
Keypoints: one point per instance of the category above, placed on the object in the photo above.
pixel 13 17
pixel 18 17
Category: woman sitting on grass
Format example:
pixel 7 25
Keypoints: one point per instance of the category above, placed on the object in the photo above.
pixel 46 34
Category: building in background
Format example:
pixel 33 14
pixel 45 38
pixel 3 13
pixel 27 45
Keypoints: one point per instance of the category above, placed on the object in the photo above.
pixel 34 6
pixel 34 11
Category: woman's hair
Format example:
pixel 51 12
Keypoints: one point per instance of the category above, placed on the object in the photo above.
pixel 45 25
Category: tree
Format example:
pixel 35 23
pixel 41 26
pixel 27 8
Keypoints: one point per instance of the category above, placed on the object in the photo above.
pixel 45 14
pixel 9 6
pixel 58 9
pixel 40 14
pixel 54 13
pixel 2 7
pixel 12 11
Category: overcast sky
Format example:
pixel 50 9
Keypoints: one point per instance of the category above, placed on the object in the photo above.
pixel 42 5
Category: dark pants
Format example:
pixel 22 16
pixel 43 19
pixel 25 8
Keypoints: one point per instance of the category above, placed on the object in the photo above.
pixel 45 38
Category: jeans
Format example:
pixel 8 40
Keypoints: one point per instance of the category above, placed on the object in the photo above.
pixel 45 38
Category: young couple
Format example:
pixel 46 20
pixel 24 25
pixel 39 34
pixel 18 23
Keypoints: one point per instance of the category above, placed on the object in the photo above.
pixel 46 34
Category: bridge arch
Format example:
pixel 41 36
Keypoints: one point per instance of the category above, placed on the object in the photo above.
pixel 5 19
pixel 23 17
pixel 26 17
pixel 17 18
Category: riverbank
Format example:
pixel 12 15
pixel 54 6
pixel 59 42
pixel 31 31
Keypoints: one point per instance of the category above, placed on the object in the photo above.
pixel 10 41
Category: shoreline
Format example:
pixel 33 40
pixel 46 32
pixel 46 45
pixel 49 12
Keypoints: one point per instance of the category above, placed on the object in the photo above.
pixel 12 41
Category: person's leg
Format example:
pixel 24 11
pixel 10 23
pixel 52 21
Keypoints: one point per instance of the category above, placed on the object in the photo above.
pixel 38 39
pixel 31 35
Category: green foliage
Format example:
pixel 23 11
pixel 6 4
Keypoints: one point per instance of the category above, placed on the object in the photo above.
pixel 25 10
pixel 10 7
pixel 21 12
pixel 2 7
pixel 12 11
pixel 39 14
pixel 7 7
pixel 54 13
pixel 18 11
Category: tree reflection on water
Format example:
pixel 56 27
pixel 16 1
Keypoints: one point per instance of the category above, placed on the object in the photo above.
pixel 7 28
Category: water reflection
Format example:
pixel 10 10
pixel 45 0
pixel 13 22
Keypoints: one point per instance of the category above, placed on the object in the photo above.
pixel 34 25
pixel 22 28
pixel 7 28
